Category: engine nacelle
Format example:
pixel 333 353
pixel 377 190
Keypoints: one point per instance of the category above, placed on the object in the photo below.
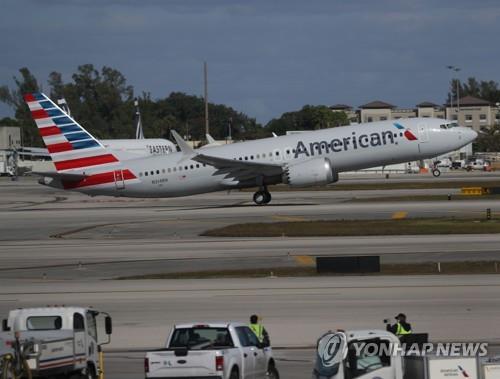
pixel 314 172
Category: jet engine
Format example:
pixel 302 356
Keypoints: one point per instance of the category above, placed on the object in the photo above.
pixel 317 171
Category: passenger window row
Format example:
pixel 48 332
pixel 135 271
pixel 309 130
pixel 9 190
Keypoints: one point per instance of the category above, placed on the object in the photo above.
pixel 197 165
pixel 172 169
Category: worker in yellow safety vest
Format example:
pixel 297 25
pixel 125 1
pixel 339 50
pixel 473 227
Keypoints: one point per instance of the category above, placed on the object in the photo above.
pixel 401 327
pixel 259 330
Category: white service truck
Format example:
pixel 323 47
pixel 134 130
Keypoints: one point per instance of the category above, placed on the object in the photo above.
pixel 378 354
pixel 227 350
pixel 65 340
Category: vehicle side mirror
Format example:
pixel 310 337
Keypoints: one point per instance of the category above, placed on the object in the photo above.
pixel 108 325
pixel 5 327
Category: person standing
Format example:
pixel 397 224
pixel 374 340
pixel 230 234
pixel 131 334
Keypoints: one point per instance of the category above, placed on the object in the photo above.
pixel 259 330
pixel 401 327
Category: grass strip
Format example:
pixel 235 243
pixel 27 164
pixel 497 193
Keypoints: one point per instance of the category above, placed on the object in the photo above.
pixel 331 228
pixel 424 268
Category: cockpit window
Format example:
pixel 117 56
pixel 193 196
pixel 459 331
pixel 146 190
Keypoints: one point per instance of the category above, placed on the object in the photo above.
pixel 448 125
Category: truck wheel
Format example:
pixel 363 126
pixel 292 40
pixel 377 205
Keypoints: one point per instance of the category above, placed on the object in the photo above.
pixel 89 373
pixel 234 374
pixel 272 372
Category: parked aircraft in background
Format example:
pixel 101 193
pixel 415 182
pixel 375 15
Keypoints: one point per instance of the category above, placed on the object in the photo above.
pixel 306 159
pixel 128 148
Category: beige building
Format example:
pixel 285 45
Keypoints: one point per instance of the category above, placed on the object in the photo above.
pixel 428 109
pixel 10 137
pixel 473 112
pixel 376 111
pixel 352 115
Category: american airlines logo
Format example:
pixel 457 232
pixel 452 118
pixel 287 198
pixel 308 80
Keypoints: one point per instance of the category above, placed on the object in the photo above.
pixel 354 141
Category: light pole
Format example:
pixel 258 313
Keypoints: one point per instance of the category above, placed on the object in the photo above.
pixel 497 116
pixel 455 69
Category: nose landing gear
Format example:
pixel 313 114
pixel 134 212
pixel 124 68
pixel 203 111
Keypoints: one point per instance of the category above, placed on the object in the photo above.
pixel 436 172
pixel 262 197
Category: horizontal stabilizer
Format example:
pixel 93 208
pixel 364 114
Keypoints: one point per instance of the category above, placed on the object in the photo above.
pixel 67 177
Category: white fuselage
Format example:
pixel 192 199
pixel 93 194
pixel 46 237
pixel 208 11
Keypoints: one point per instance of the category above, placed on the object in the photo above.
pixel 347 148
pixel 139 148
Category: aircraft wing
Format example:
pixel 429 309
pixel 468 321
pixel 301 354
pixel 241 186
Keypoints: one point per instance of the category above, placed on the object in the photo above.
pixel 67 177
pixel 237 169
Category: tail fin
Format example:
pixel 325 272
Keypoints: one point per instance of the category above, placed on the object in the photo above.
pixel 70 146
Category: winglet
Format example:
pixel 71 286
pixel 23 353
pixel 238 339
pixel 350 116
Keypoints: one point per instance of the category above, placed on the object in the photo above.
pixel 183 145
pixel 211 140
pixel 275 135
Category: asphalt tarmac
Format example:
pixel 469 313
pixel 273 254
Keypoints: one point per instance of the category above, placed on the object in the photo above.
pixel 63 248
pixel 296 311
pixel 62 235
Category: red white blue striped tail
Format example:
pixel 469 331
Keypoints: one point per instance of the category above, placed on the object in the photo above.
pixel 70 146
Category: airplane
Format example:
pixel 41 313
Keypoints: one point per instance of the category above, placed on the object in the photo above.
pixel 140 146
pixel 299 160
pixel 129 148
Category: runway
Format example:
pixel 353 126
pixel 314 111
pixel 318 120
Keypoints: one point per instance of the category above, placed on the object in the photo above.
pixel 30 212
pixel 64 248
pixel 64 235
pixel 107 259
pixel 447 307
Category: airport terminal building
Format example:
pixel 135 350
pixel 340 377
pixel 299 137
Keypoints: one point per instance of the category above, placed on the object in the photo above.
pixel 470 111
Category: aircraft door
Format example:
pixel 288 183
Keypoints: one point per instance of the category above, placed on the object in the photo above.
pixel 119 180
pixel 92 342
pixel 423 133
pixel 79 339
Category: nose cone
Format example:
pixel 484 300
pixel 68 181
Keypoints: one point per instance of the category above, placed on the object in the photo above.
pixel 471 135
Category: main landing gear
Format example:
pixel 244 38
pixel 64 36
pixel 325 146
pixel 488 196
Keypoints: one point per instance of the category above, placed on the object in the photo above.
pixel 262 197
pixel 436 172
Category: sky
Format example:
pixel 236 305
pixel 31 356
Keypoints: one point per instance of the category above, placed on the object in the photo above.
pixel 264 57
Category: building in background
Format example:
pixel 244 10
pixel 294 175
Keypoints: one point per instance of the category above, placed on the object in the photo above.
pixel 352 114
pixel 10 143
pixel 470 111
pixel 10 137
pixel 474 112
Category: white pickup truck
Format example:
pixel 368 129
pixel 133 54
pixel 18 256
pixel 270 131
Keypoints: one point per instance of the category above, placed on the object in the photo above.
pixel 213 351
pixel 66 339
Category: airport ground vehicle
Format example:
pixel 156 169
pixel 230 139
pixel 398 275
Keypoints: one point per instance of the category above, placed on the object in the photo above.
pixel 351 355
pixel 478 164
pixel 14 356
pixel 212 350
pixel 61 340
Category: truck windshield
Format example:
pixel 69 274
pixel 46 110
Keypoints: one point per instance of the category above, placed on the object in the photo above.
pixel 201 338
pixel 44 323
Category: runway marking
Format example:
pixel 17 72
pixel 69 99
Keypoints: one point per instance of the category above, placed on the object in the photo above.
pixel 305 260
pixel 288 218
pixel 399 215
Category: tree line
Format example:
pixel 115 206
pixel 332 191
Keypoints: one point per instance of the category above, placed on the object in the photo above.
pixel 103 103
